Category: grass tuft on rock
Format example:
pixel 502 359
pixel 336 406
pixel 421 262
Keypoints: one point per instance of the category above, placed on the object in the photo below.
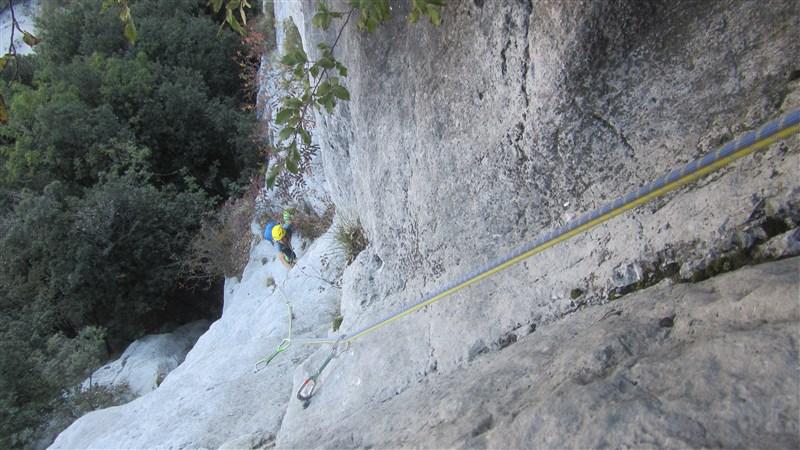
pixel 350 238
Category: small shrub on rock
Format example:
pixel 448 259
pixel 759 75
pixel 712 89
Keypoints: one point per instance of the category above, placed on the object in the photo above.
pixel 78 402
pixel 350 238
pixel 311 225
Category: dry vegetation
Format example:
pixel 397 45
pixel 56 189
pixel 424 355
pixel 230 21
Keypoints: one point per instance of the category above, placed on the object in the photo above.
pixel 350 238
pixel 222 247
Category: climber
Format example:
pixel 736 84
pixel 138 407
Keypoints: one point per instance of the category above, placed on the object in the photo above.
pixel 281 235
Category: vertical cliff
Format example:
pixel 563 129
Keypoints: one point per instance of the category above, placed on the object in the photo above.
pixel 463 141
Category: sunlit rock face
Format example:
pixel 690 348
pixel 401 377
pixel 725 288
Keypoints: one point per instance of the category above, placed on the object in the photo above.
pixel 216 395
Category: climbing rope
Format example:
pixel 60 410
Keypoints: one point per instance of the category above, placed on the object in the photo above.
pixel 747 144
pixel 283 346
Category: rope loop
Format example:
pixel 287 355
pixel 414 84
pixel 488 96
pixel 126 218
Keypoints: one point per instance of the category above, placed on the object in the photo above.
pixel 282 347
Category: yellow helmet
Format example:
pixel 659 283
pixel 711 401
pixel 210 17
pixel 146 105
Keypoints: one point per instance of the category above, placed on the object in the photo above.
pixel 278 232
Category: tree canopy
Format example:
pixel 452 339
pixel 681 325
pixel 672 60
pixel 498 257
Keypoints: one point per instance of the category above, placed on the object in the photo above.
pixel 113 155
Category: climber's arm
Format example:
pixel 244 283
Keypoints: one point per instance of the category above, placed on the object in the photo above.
pixel 285 260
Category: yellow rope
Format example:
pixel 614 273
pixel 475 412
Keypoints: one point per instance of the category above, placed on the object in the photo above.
pixel 684 180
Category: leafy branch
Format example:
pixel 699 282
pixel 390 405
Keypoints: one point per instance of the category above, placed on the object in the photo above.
pixel 232 9
pixel 294 139
pixel 124 15
pixel 430 8
pixel 235 10
pixel 295 136
pixel 27 38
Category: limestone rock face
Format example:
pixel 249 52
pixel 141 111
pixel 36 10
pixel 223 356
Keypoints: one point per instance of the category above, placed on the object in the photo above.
pixel 215 395
pixel 709 365
pixel 145 363
pixel 464 141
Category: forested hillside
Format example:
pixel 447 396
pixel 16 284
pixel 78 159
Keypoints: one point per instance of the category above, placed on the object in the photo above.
pixel 114 155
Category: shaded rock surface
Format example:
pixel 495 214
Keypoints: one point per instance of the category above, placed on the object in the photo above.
pixel 462 142
pixel 720 371
pixel 514 117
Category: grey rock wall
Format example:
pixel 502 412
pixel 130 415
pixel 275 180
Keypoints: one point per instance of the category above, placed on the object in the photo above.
pixel 708 365
pixel 147 361
pixel 462 142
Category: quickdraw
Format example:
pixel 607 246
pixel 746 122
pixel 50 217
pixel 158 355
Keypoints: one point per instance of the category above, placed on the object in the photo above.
pixel 282 347
pixel 309 387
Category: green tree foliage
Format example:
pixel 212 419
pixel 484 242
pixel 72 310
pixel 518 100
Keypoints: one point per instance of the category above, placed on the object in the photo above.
pixel 22 386
pixel 54 135
pixel 106 257
pixel 78 29
pixel 177 33
pixel 33 373
pixel 125 16
pixel 176 92
pixel 114 154
pixel 69 264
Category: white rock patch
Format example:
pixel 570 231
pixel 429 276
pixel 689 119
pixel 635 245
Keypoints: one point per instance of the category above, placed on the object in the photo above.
pixel 147 361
